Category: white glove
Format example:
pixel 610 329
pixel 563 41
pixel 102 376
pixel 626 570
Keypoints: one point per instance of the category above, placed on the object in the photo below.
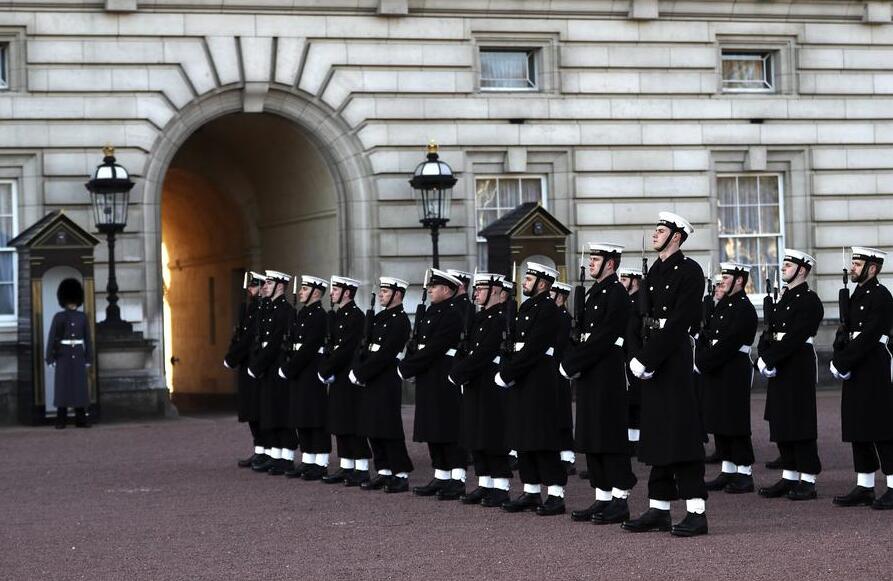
pixel 564 373
pixel 282 374
pixel 251 374
pixel 698 371
pixel 500 382
pixel 764 370
pixel 326 380
pixel 639 370
pixel 400 374
pixel 839 375
pixel 449 378
pixel 225 364
pixel 353 378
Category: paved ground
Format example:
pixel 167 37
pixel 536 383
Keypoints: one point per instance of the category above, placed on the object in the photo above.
pixel 164 500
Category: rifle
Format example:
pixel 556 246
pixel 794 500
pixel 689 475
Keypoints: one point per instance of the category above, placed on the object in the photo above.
pixel 467 329
pixel 419 315
pixel 842 336
pixel 238 328
pixel 580 302
pixel 367 330
pixel 508 334
pixel 330 324
pixel 707 308
pixel 644 296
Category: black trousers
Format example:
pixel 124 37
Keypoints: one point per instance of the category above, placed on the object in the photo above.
pixel 447 455
pixel 735 449
pixel 260 437
pixel 567 438
pixel 635 417
pixel 607 471
pixel 285 438
pixel 866 457
pixel 353 447
pixel 683 480
pixel 390 454
pixel 315 440
pixel 542 467
pixel 492 464
pixel 802 456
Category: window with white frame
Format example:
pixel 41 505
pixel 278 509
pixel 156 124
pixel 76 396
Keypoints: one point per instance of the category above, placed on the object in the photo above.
pixel 751 224
pixel 495 196
pixel 748 71
pixel 4 66
pixel 8 229
pixel 508 69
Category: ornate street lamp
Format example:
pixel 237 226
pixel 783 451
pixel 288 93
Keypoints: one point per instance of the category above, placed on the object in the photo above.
pixel 432 185
pixel 110 188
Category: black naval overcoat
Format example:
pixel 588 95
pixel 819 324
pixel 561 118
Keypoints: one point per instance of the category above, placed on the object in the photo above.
pixel 237 356
pixel 378 404
pixel 438 403
pixel 533 411
pixel 790 396
pixel 602 404
pixel 266 357
pixel 483 402
pixel 727 371
pixel 671 429
pixel 346 333
pixel 632 344
pixel 565 387
pixel 307 394
pixel 70 361
pixel 866 404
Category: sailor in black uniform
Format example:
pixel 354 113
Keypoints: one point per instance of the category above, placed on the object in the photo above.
pixel 560 293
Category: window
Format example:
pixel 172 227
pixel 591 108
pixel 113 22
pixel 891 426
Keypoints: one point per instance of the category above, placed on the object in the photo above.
pixel 4 66
pixel 508 70
pixel 748 72
pixel 497 195
pixel 751 225
pixel 8 229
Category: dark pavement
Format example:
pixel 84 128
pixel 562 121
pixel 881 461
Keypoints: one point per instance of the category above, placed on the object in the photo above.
pixel 164 500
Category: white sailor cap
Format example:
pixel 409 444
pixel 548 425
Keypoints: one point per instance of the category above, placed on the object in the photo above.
pixel 277 276
pixel 868 254
pixel 488 279
pixel 629 272
pixel 676 222
pixel 604 249
pixel 542 271
pixel 734 268
pixel 798 257
pixel 437 276
pixel 508 285
pixel 313 281
pixel 344 282
pixel 252 278
pixel 464 277
pixel 561 287
pixel 393 283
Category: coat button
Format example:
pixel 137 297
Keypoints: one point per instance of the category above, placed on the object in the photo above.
pixel 666 287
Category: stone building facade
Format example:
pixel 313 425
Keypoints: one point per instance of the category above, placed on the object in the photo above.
pixel 281 134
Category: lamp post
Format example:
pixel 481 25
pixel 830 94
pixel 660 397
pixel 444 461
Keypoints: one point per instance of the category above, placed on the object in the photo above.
pixel 110 188
pixel 432 185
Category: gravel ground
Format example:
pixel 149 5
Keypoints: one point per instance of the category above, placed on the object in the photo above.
pixel 164 500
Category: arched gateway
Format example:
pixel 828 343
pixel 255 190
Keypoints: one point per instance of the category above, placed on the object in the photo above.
pixel 287 188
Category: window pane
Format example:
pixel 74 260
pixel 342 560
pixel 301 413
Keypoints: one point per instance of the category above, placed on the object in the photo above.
pixel 769 219
pixel 486 193
pixel 4 82
pixel 741 69
pixel 747 190
pixel 750 220
pixel 769 190
pixel 7 302
pixel 509 193
pixel 531 190
pixel 5 199
pixel 6 274
pixel 725 189
pixel 6 232
pixel 485 217
pixel 728 220
pixel 505 70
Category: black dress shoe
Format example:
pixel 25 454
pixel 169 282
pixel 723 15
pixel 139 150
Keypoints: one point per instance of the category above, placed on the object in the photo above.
pixel 583 474
pixel 338 477
pixel 475 496
pixel 616 512
pixel 376 483
pixel 296 470
pixel 779 489
pixel 692 525
pixel 652 519
pixel 396 484
pixel 554 505
pixel 569 468
pixel 739 484
pixel 858 496
pixel 315 472
pixel 279 467
pixel 264 464
pixel 527 501
pixel 774 464
pixel 803 491
pixel 587 513
pixel 495 497
pixel 247 462
pixel 431 488
pixel 453 490
pixel 356 478
pixel 884 502
pixel 713 458
pixel 719 482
